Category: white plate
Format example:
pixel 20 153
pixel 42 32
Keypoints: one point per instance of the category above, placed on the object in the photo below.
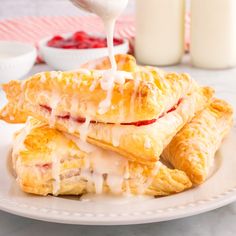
pixel 219 190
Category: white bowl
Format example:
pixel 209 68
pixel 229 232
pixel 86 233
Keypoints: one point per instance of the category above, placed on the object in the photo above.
pixel 71 59
pixel 16 60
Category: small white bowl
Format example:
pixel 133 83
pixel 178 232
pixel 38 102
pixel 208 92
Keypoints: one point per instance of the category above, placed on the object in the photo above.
pixel 72 59
pixel 16 60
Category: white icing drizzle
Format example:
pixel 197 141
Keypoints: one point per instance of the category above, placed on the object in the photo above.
pixel 143 187
pixel 108 78
pixel 84 129
pixel 147 143
pixel 116 135
pixel 53 105
pixel 98 181
pixel 59 75
pixel 110 28
pixel 115 183
pixel 111 164
pixel 105 104
pixel 94 85
pixel 102 166
pixel 83 146
pixel 43 77
pixel 161 73
pixel 118 76
pixel 74 106
pixel 82 71
pixel 53 74
pixel 121 76
pixel 150 75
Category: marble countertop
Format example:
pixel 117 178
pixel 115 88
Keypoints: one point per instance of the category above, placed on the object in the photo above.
pixel 220 222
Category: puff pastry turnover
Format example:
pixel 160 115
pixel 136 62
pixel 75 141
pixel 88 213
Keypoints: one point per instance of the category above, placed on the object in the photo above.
pixel 193 148
pixel 148 106
pixel 47 161
pixel 143 144
pixel 138 96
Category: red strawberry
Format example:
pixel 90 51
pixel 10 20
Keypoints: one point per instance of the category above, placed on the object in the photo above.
pixel 79 36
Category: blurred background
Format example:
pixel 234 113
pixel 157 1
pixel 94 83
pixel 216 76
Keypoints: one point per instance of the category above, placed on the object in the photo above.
pixel 13 8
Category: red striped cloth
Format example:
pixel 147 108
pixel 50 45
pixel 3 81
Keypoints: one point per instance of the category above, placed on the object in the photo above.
pixel 32 29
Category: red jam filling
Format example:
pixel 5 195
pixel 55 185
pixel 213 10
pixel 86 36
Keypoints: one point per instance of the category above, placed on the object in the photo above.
pixel 80 40
pixel 137 123
pixel 44 166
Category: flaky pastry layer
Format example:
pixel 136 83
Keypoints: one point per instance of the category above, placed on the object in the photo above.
pixel 140 95
pixel 124 62
pixel 47 161
pixel 193 148
pixel 142 144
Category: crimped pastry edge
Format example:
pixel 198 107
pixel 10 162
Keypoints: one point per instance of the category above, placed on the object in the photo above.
pixel 223 114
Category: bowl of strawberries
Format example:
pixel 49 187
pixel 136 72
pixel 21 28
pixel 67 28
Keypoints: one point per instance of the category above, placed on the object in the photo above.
pixel 70 51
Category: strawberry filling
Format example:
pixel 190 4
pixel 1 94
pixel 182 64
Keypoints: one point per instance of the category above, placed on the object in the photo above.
pixel 44 166
pixel 136 123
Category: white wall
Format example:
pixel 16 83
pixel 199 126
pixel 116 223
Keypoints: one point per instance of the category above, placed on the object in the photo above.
pixel 13 8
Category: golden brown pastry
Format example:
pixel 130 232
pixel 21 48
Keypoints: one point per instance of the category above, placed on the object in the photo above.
pixel 134 97
pixel 144 143
pixel 47 161
pixel 147 108
pixel 124 62
pixel 193 148
pixel 11 114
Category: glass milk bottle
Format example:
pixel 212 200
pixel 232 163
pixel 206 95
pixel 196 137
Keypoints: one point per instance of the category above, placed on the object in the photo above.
pixel 159 31
pixel 213 33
